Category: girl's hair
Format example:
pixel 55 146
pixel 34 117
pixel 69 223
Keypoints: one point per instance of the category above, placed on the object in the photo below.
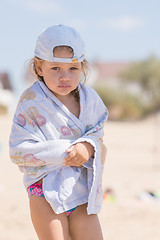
pixel 84 64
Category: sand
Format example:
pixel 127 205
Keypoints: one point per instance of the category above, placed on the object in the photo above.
pixel 132 167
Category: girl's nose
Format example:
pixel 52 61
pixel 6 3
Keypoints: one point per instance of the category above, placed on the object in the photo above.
pixel 64 77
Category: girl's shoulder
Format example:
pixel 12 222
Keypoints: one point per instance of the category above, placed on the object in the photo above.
pixel 90 94
pixel 89 91
pixel 93 101
pixel 32 94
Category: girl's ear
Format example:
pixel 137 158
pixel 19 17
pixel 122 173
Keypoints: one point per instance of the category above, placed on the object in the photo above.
pixel 38 66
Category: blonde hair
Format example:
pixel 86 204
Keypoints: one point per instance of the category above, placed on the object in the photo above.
pixel 84 65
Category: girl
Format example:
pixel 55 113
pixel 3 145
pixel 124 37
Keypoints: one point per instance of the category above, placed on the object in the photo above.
pixel 56 140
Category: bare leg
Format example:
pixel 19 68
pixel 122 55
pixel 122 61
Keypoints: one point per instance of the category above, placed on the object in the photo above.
pixel 47 224
pixel 83 226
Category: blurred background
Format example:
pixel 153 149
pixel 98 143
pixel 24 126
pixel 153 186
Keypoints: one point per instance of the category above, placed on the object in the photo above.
pixel 123 47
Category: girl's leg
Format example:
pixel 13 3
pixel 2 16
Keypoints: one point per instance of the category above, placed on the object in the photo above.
pixel 47 224
pixel 83 226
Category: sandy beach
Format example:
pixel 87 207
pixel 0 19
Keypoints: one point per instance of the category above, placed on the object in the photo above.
pixel 132 168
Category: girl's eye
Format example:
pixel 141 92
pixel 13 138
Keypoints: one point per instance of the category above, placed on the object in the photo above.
pixel 73 68
pixel 55 68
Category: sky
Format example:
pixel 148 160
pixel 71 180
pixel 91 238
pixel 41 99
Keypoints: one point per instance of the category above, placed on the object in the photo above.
pixel 115 30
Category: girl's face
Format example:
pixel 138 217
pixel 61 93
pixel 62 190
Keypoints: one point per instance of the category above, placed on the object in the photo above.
pixel 60 78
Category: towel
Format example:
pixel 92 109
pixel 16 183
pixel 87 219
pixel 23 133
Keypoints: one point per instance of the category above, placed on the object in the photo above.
pixel 43 128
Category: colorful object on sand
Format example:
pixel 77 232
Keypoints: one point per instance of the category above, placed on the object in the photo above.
pixel 149 196
pixel 109 195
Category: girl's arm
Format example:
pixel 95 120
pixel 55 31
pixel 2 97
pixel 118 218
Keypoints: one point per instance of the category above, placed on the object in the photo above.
pixel 33 153
pixel 84 148
pixel 28 146
pixel 79 154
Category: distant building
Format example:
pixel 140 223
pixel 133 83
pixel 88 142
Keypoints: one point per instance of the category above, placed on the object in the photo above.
pixel 6 93
pixel 5 82
pixel 109 72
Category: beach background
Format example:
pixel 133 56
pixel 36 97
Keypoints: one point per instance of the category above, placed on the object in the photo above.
pixel 123 46
pixel 132 169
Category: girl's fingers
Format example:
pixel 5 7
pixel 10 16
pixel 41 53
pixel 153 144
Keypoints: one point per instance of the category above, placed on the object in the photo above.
pixel 73 162
pixel 70 149
pixel 70 156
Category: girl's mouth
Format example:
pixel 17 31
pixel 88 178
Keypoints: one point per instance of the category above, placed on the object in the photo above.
pixel 64 86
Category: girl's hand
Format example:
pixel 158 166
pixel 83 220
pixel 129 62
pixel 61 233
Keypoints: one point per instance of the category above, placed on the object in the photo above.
pixel 78 154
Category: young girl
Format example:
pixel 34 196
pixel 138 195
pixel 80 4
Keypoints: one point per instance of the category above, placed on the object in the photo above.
pixel 56 140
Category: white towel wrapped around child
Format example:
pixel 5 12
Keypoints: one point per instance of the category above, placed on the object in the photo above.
pixel 43 128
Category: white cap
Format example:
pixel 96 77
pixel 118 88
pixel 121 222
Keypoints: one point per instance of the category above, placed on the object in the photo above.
pixel 59 35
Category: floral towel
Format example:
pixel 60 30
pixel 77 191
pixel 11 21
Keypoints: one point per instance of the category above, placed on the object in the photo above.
pixel 43 128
